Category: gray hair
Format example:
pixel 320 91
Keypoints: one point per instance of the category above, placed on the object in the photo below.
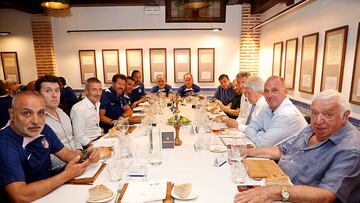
pixel 330 94
pixel 243 74
pixel 255 83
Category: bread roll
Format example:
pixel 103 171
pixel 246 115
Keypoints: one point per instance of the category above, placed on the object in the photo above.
pixel 99 192
pixel 182 190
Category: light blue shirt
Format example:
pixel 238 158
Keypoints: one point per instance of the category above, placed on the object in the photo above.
pixel 333 164
pixel 273 128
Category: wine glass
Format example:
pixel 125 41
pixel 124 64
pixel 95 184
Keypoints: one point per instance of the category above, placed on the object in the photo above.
pixel 122 125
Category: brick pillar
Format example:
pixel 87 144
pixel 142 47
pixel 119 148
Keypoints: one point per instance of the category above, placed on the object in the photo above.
pixel 43 44
pixel 249 41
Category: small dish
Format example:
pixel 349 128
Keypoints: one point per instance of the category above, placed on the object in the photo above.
pixel 103 200
pixel 193 194
pixel 217 148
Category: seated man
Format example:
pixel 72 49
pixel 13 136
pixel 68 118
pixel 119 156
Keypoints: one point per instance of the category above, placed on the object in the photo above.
pixel 161 86
pixel 224 92
pixel 85 114
pixel 232 110
pixel 130 84
pixel 68 97
pixel 254 90
pixel 138 94
pixel 278 122
pixel 189 88
pixel 322 161
pixel 25 148
pixel 12 86
pixel 5 104
pixel 49 87
pixel 113 103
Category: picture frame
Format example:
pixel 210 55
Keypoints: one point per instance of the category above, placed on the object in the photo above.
pixel 182 63
pixel 277 58
pixel 334 58
pixel 309 51
pixel 134 61
pixel 176 12
pixel 355 82
pixel 10 66
pixel 157 63
pixel 110 58
pixel 87 61
pixel 206 65
pixel 291 46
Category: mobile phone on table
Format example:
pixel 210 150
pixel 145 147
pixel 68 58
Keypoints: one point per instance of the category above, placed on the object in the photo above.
pixel 85 155
pixel 242 188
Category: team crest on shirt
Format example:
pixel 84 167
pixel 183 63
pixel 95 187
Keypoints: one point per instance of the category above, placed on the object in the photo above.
pixel 45 143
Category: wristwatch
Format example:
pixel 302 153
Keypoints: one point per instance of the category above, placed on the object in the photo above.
pixel 284 193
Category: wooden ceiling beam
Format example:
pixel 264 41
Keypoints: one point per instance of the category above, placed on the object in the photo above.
pixel 260 6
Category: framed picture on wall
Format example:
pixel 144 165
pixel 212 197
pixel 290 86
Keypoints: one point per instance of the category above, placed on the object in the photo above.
pixel 157 63
pixel 206 65
pixel 355 84
pixel 182 63
pixel 334 57
pixel 87 64
pixel 110 58
pixel 277 58
pixel 290 62
pixel 134 61
pixel 308 62
pixel 10 65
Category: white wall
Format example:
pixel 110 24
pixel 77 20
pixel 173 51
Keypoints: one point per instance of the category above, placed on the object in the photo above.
pixel 226 42
pixel 20 41
pixel 316 16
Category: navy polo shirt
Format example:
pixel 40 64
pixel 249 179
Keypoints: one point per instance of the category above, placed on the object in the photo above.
pixel 26 164
pixel 113 105
pixel 167 89
pixel 67 99
pixel 137 93
pixel 183 91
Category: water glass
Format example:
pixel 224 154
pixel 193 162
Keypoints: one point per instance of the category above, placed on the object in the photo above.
pixel 122 125
pixel 114 167
pixel 238 172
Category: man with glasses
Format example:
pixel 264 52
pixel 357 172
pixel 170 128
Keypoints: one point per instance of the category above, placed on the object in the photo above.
pixel 278 122
pixel 322 161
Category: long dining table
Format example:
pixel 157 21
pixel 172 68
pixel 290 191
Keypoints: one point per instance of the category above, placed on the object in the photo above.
pixel 183 164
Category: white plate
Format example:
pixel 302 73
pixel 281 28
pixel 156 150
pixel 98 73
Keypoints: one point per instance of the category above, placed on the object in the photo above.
pixel 102 200
pixel 217 148
pixel 193 194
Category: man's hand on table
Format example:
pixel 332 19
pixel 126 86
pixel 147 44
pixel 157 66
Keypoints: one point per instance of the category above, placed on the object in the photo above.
pixel 264 194
pixel 231 123
pixel 75 169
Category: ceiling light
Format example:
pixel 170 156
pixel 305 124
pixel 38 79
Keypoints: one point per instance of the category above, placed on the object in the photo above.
pixel 196 4
pixel 56 4
pixel 5 33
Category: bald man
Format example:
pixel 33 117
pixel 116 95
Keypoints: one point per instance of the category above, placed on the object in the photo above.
pixel 25 148
pixel 277 122
pixel 161 86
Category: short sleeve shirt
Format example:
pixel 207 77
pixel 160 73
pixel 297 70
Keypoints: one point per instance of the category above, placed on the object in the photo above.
pixel 167 89
pixel 113 105
pixel 26 162
pixel 183 91
pixel 333 164
pixel 137 93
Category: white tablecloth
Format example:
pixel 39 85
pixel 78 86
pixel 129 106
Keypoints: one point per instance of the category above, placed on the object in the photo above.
pixel 179 165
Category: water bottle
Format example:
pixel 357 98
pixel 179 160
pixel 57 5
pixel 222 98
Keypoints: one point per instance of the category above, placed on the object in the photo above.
pixel 155 145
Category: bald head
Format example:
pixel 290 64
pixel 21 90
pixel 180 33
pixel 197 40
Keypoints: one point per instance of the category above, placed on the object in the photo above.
pixel 27 114
pixel 275 91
